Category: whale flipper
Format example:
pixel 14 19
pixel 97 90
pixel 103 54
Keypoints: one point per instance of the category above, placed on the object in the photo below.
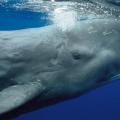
pixel 16 96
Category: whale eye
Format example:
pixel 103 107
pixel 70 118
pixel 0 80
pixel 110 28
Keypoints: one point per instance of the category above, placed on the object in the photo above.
pixel 76 55
pixel 81 55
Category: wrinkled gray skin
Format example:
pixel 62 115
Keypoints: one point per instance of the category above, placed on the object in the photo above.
pixel 43 66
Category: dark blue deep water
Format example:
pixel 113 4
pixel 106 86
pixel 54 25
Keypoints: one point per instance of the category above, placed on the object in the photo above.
pixel 100 104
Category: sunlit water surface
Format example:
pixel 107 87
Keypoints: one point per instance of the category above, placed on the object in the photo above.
pixel 18 14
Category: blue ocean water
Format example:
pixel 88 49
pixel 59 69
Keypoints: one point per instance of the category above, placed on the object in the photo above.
pixel 100 104
pixel 13 19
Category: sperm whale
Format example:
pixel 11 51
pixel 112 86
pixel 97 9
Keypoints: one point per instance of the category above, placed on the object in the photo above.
pixel 43 66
